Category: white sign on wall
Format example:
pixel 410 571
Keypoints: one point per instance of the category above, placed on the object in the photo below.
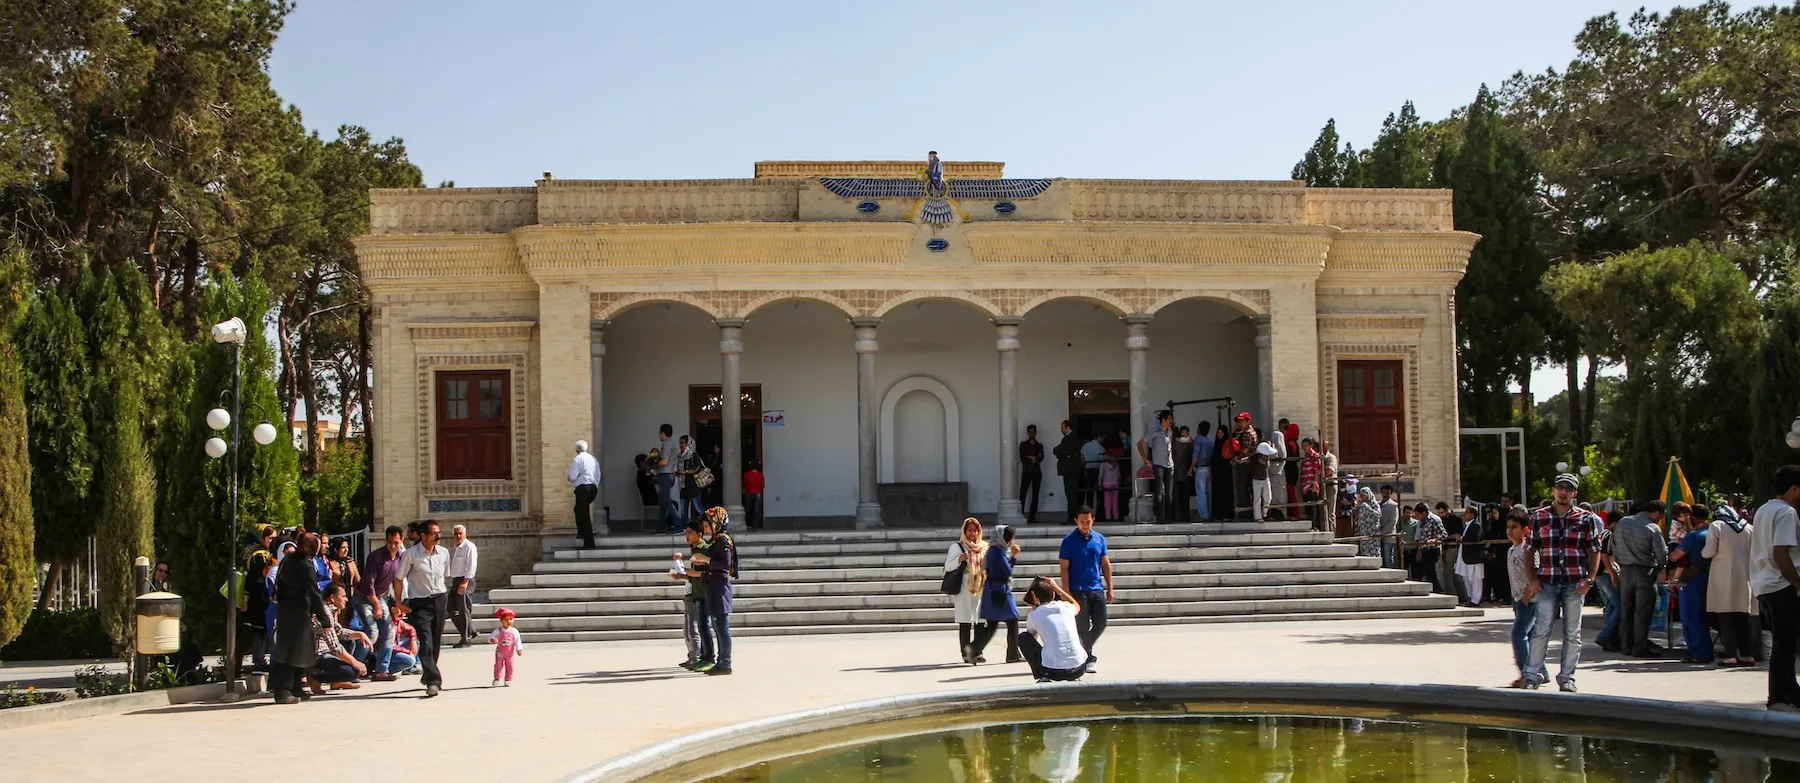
pixel 774 418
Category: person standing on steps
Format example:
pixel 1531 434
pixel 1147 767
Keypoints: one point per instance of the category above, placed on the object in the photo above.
pixel 1157 450
pixel 1093 455
pixel 668 461
pixel 1241 451
pixel 997 598
pixel 1031 473
pixel 1087 569
pixel 969 556
pixel 584 476
pixel 1184 473
pixel 420 592
pixel 1069 468
pixel 461 574
pixel 1200 472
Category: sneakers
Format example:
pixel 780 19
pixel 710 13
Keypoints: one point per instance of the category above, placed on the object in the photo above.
pixel 717 670
pixel 431 690
pixel 1566 687
pixel 1091 667
pixel 507 684
pixel 382 677
pixel 702 667
pixel 496 684
pixel 1531 685
pixel 688 665
pixel 1042 680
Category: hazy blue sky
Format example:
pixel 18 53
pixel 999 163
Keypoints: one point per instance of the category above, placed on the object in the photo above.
pixel 497 93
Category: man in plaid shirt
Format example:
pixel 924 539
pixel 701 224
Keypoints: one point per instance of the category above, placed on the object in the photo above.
pixel 1564 543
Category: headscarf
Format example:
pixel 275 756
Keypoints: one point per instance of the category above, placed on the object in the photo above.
pixel 1725 513
pixel 977 573
pixel 718 518
pixel 283 550
pixel 1366 497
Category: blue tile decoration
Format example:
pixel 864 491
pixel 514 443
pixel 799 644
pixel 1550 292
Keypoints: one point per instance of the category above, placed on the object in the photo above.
pixel 477 506
pixel 937 211
pixel 1005 207
pixel 868 207
pixel 938 245
pixel 870 187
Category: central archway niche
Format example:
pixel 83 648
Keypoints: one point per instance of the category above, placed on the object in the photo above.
pixel 921 432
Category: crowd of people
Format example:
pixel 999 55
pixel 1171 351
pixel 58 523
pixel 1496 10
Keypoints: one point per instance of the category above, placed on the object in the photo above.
pixel 1063 623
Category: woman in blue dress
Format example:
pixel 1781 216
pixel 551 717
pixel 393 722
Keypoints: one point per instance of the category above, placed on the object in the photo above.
pixel 997 598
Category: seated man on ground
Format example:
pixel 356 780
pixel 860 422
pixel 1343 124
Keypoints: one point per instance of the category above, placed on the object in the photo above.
pixel 1052 647
pixel 336 665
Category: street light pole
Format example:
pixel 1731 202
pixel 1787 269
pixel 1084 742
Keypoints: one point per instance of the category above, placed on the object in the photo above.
pixel 231 535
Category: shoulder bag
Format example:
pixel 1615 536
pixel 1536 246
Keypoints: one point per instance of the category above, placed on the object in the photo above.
pixel 953 579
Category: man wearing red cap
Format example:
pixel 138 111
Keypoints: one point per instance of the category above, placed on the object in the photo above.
pixel 1242 451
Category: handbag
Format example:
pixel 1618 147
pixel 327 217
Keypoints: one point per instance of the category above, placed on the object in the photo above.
pixel 703 477
pixel 953 579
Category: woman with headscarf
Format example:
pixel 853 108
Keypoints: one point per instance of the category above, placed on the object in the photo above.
pixel 298 604
pixel 968 554
pixel 1368 523
pixel 1728 586
pixel 997 599
pixel 1222 501
pixel 688 462
pixel 720 563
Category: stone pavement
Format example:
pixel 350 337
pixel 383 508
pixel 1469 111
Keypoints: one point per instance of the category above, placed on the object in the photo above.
pixel 577 704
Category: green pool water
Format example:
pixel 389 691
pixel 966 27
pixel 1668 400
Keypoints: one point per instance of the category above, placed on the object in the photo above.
pixel 1226 748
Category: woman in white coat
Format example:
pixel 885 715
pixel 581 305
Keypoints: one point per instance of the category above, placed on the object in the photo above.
pixel 1728 586
pixel 968 553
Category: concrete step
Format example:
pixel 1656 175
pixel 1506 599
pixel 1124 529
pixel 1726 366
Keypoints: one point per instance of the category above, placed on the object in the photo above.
pixel 1028 556
pixel 949 628
pixel 669 590
pixel 938 546
pixel 565 538
pixel 670 618
pixel 745 604
pixel 1341 557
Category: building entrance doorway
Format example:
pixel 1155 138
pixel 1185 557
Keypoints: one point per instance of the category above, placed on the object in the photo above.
pixel 705 406
pixel 1100 408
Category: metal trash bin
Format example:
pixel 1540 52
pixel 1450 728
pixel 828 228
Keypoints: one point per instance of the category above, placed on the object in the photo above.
pixel 158 623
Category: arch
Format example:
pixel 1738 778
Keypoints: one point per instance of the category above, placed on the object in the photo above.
pixel 610 306
pixel 1251 303
pixel 952 425
pixel 774 297
pixel 1112 303
pixel 986 307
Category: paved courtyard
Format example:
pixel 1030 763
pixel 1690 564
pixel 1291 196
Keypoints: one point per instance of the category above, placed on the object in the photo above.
pixel 577 704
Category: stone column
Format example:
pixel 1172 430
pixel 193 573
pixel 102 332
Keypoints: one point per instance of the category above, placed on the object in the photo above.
pixel 868 509
pixel 1006 341
pixel 1265 376
pixel 597 351
pixel 731 414
pixel 1137 342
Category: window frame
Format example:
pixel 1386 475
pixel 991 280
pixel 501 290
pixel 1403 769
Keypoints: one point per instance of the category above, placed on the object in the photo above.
pixel 1369 413
pixel 497 466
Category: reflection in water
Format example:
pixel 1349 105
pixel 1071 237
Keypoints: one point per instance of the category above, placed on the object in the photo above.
pixel 1228 749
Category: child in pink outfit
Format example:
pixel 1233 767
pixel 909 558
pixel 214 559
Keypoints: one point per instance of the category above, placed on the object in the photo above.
pixel 508 644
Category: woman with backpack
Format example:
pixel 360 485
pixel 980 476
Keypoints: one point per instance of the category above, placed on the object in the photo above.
pixel 964 577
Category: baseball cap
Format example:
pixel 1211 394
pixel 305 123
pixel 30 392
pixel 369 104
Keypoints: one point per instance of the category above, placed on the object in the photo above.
pixel 1567 478
pixel 1245 416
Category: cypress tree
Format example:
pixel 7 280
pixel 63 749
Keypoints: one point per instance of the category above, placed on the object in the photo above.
pixel 1322 166
pixel 1775 391
pixel 18 562
pixel 54 351
pixel 1400 156
pixel 125 484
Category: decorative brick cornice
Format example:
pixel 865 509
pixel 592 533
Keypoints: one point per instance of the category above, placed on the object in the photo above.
pixel 464 261
pixel 668 201
pixel 1372 322
pixel 953 169
pixel 1399 257
pixel 1188 201
pixel 1195 247
pixel 461 330
pixel 574 252
pixel 1381 209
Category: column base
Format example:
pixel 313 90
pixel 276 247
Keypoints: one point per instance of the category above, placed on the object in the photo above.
pixel 738 517
pixel 1143 509
pixel 1011 513
pixel 868 516
pixel 599 518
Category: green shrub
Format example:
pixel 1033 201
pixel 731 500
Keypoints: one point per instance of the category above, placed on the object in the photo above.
pixel 55 636
pixel 95 680
pixel 29 697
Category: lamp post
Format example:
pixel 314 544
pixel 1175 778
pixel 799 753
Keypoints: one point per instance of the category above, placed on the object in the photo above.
pixel 232 332
pixel 1793 434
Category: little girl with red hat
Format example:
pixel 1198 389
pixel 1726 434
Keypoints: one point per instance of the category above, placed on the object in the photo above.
pixel 508 643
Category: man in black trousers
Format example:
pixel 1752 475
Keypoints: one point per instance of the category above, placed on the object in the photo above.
pixel 419 587
pixel 1031 473
pixel 1069 467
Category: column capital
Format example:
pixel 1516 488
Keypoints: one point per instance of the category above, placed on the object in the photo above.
pixel 1262 330
pixel 1006 333
pixel 597 337
pixel 865 335
pixel 1136 319
pixel 1008 320
pixel 1137 332
pixel 730 323
pixel 865 321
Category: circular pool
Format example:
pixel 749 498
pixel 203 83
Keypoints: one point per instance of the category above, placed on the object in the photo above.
pixel 1179 731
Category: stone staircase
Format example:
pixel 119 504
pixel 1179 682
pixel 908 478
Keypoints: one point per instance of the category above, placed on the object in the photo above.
pixel 794 582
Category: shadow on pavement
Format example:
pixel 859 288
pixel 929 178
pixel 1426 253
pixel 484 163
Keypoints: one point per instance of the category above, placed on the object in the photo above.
pixel 914 667
pixel 620 677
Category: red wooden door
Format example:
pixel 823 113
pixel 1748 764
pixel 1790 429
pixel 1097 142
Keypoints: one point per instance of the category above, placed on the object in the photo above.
pixel 474 432
pixel 1371 415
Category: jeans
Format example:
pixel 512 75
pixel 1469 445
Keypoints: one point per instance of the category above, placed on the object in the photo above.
pixel 1524 621
pixel 1554 598
pixel 692 610
pixel 1163 508
pixel 715 637
pixel 1782 608
pixel 428 618
pixel 1033 650
pixel 1090 622
pixel 381 630
pixel 584 513
pixel 1390 553
pixel 1609 624
pixel 328 669
pixel 1203 492
pixel 665 502
pixel 1637 602
pixel 402 660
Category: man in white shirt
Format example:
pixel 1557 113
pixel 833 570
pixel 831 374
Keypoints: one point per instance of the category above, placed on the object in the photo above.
pixel 1052 647
pixel 1775 577
pixel 419 594
pixel 584 476
pixel 461 574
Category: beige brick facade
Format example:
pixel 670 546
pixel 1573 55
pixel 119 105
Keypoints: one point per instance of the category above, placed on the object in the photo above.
pixel 514 279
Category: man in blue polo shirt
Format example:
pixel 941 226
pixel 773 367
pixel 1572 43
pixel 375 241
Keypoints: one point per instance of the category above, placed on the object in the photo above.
pixel 1086 572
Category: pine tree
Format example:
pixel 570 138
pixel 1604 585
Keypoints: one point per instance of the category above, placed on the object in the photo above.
pixel 1322 167
pixel 1401 156
pixel 18 562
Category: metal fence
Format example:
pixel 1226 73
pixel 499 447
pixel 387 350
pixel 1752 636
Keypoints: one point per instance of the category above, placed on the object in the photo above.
pixel 77 587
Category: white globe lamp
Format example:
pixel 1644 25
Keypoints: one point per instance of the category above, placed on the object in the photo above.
pixel 215 447
pixel 218 419
pixel 1562 467
pixel 1587 470
pixel 1793 440
pixel 264 434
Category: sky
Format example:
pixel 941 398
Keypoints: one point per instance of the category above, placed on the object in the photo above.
pixel 495 94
